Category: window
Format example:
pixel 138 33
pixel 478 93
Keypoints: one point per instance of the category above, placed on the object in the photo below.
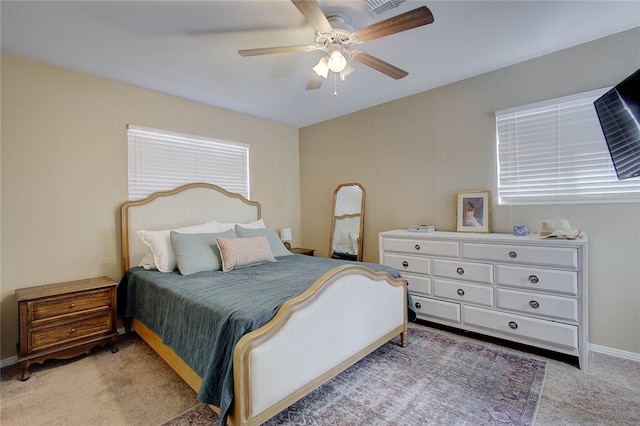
pixel 553 152
pixel 160 160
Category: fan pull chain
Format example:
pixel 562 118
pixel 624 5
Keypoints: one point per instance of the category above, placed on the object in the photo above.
pixel 335 84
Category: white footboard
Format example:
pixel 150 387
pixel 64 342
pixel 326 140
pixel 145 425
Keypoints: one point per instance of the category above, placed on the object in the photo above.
pixel 347 314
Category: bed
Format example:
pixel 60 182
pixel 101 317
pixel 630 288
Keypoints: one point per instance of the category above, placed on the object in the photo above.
pixel 309 327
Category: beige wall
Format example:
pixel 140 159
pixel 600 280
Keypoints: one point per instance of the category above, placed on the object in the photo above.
pixel 64 172
pixel 412 155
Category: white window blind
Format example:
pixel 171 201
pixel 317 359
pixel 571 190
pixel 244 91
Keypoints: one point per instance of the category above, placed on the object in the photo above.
pixel 553 152
pixel 161 160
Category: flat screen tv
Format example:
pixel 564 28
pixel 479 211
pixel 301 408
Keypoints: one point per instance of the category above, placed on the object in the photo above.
pixel 619 113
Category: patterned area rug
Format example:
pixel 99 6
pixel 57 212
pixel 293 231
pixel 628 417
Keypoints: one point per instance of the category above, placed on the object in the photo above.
pixel 438 379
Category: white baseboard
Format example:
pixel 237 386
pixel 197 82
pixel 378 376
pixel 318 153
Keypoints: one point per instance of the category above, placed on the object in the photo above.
pixel 9 361
pixel 614 352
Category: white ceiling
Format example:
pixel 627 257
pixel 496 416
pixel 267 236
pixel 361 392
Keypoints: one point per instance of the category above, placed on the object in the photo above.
pixel 189 48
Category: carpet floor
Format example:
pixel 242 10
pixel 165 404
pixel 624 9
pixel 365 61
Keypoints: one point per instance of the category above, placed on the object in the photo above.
pixel 437 379
pixel 135 387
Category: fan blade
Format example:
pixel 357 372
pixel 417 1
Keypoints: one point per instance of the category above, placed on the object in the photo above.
pixel 405 21
pixel 314 82
pixel 380 65
pixel 314 15
pixel 270 50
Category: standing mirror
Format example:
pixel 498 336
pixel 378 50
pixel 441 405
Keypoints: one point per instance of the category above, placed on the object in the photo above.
pixel 347 223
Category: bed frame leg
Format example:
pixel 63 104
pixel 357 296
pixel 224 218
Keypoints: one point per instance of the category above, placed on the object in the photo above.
pixel 403 339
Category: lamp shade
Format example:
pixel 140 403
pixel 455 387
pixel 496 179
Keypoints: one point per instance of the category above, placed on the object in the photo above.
pixel 285 234
pixel 322 67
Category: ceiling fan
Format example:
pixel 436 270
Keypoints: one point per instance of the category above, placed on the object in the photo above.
pixel 334 36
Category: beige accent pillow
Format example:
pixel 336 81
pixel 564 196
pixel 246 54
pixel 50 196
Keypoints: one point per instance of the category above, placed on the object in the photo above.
pixel 243 252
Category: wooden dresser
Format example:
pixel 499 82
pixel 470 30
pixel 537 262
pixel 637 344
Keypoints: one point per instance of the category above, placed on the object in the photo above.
pixel 531 291
pixel 66 319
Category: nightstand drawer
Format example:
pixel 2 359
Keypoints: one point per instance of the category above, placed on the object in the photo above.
pixel 59 334
pixel 47 308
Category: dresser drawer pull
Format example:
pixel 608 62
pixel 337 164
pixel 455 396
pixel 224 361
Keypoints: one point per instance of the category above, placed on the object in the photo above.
pixel 73 330
pixel 513 325
pixel 406 282
pixel 460 271
pixel 513 254
pixel 460 292
pixel 534 304
pixel 405 263
pixel 533 279
pixel 418 305
pixel 417 246
pixel 73 305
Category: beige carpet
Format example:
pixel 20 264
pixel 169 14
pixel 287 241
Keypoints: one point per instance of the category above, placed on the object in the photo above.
pixel 135 387
pixel 131 387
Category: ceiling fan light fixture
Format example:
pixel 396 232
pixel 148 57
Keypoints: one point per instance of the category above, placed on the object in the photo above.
pixel 322 67
pixel 337 61
pixel 347 70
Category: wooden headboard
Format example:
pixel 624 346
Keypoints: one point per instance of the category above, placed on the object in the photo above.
pixel 186 205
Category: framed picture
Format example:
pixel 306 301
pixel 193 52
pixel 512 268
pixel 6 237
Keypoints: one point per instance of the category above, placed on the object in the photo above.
pixel 473 212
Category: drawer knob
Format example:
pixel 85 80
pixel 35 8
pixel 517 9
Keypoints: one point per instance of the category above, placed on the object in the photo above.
pixel 73 330
pixel 460 292
pixel 513 254
pixel 534 304
pixel 405 263
pixel 406 282
pixel 417 246
pixel 73 305
pixel 513 325
pixel 533 279
pixel 460 271
pixel 418 305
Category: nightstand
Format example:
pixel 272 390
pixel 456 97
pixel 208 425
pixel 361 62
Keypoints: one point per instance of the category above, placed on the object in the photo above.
pixel 300 250
pixel 66 319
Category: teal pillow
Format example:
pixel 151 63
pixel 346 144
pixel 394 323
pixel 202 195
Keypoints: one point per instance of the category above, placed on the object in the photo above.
pixel 198 252
pixel 277 248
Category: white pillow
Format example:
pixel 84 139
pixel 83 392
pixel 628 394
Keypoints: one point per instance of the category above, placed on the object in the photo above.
pixel 258 224
pixel 147 262
pixel 159 243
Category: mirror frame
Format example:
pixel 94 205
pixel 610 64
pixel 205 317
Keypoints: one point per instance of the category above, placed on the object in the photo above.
pixel 334 217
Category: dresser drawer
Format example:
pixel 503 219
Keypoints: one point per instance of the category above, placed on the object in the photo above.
pixel 421 265
pixel 78 302
pixel 44 337
pixel 463 292
pixel 417 283
pixel 512 325
pixel 557 307
pixel 435 248
pixel 552 256
pixel 482 272
pixel 437 309
pixel 557 281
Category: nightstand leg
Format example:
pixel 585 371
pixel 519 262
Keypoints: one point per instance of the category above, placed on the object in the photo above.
pixel 114 344
pixel 25 370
